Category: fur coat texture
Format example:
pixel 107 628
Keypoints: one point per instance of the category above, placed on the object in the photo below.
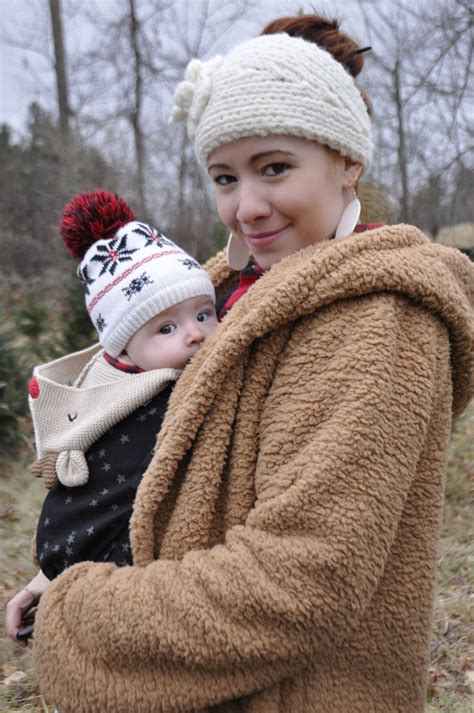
pixel 285 532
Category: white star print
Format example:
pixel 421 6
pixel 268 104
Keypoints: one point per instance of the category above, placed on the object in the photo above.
pixel 68 500
pixel 69 551
pixel 114 507
pixel 90 530
pixel 142 417
pixel 124 438
pixel 56 548
pixel 125 547
pixel 152 411
pixel 120 479
pixel 46 522
pixel 106 467
pixel 93 503
pixel 71 537
pixel 102 453
pixel 46 545
pixel 104 491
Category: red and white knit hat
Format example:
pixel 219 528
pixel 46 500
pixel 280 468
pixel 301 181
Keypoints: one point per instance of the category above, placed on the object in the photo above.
pixel 131 271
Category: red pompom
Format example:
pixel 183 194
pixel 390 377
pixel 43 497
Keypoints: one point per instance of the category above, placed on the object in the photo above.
pixel 92 216
pixel 33 387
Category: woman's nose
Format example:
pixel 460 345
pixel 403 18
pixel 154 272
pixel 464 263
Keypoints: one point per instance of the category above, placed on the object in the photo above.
pixel 253 204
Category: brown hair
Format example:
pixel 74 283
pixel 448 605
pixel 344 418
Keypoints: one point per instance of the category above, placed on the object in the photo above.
pixel 326 34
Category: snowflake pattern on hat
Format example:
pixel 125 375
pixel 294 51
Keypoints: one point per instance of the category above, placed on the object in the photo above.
pixel 190 263
pixel 110 255
pixel 152 236
pixel 83 275
pixel 136 285
pixel 100 323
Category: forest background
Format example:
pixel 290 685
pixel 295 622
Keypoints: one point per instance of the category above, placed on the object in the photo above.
pixel 99 77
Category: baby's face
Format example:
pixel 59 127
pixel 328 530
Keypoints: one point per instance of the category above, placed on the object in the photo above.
pixel 170 339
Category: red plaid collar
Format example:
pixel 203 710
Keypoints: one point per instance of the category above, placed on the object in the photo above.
pixel 127 368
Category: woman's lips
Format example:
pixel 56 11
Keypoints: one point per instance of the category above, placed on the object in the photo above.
pixel 263 239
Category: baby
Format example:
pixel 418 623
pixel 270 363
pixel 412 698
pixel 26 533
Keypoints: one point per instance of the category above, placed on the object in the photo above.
pixel 96 413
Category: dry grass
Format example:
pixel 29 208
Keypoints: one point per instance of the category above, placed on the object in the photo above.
pixel 20 501
pixel 457 236
pixel 451 677
pixel 451 682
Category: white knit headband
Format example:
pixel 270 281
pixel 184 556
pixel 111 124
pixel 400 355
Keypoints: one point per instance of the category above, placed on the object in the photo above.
pixel 273 85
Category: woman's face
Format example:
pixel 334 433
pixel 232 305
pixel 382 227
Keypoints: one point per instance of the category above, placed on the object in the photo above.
pixel 280 193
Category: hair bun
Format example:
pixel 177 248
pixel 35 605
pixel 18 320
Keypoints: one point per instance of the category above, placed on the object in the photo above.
pixel 323 32
pixel 93 216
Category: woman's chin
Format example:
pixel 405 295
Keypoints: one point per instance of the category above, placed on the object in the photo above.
pixel 267 258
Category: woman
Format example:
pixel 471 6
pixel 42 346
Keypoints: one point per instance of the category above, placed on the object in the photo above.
pixel 285 533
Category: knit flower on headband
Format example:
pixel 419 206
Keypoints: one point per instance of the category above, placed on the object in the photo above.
pixel 192 95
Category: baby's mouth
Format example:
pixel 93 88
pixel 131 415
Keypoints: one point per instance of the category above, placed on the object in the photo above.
pixel 193 355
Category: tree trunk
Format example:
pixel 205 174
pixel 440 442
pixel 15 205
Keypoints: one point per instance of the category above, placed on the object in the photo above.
pixel 136 111
pixel 402 155
pixel 60 71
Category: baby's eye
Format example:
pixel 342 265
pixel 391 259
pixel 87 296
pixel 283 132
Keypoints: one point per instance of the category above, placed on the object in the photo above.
pixel 275 169
pixel 204 315
pixel 224 180
pixel 167 329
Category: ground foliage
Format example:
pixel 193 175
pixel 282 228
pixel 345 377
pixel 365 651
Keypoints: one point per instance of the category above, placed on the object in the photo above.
pixel 41 319
pixel 38 177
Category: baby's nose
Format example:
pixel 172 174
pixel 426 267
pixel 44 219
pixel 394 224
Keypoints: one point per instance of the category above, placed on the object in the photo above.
pixel 195 335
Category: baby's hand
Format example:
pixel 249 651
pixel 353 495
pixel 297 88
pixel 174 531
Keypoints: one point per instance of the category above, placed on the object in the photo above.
pixel 21 603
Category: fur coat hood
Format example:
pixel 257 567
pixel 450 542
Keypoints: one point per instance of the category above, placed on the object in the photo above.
pixel 285 532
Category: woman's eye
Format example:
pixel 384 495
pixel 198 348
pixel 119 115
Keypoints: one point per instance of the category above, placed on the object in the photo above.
pixel 167 329
pixel 224 180
pixel 275 169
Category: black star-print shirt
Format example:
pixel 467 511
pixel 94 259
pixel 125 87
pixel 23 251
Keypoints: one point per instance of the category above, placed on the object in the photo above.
pixel 91 522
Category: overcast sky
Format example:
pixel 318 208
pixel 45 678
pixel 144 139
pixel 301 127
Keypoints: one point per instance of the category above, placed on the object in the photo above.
pixel 25 44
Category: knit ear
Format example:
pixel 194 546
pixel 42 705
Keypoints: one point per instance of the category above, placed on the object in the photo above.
pixel 93 216
pixel 45 468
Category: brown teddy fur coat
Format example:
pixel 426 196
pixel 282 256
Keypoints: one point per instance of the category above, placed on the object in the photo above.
pixel 285 532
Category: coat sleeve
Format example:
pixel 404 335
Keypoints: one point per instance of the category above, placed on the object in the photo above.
pixel 296 578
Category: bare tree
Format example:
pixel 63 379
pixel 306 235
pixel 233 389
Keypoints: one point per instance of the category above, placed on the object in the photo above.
pixel 111 83
pixel 420 61
pixel 124 87
pixel 60 72
pixel 39 34
pixel 193 30
pixel 135 114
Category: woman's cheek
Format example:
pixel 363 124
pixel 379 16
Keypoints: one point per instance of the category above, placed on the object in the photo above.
pixel 225 209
